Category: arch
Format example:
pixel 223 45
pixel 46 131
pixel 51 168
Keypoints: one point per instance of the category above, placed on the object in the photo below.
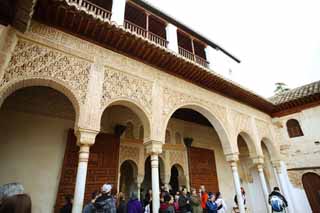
pixel 179 167
pixel 131 163
pixel 254 150
pixel 129 132
pixel 136 108
pixel 54 84
pixel 272 148
pixel 141 132
pixel 294 128
pixel 311 185
pixel 212 118
pixel 128 177
pixel 168 137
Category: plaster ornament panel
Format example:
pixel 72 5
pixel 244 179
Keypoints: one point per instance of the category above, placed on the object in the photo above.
pixel 174 99
pixel 263 129
pixel 119 85
pixel 177 157
pixel 241 122
pixel 295 176
pixel 129 153
pixel 32 60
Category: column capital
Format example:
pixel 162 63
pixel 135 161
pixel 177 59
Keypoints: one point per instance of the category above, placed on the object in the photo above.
pixel 277 165
pixel 153 147
pixel 258 160
pixel 85 137
pixel 232 157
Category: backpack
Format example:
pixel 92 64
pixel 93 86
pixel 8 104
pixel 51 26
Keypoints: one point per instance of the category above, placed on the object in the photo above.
pixel 276 203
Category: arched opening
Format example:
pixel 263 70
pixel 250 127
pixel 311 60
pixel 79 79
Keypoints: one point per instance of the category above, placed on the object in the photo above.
pixel 35 125
pixel 293 128
pixel 128 178
pixel 146 184
pixel 177 178
pixel 168 137
pixel 249 175
pixel 201 150
pixel 311 185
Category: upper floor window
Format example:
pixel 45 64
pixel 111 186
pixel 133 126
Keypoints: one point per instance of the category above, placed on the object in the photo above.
pixel 294 129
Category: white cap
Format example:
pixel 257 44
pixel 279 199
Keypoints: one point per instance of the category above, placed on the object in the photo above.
pixel 106 188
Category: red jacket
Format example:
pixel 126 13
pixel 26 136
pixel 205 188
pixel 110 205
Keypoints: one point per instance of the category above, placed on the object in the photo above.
pixel 204 198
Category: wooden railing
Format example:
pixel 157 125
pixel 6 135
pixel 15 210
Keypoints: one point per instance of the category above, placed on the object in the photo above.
pixel 143 32
pixel 90 8
pixel 189 55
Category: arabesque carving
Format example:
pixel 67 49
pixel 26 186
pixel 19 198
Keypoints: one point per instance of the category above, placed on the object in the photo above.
pixel 177 157
pixel 118 84
pixel 129 153
pixel 263 129
pixel 32 60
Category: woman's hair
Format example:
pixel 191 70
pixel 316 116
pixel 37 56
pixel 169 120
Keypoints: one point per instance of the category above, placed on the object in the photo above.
pixel 218 194
pixel 120 197
pixel 20 203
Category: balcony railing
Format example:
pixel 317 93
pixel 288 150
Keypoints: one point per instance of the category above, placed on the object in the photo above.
pixel 189 55
pixel 147 34
pixel 91 9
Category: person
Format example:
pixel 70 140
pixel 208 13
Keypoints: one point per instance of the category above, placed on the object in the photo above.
pixel 211 206
pixel 105 202
pixel 167 205
pixel 204 198
pixel 10 189
pixel 176 202
pixel 134 205
pixel 89 208
pixel 184 203
pixel 147 204
pixel 121 203
pixel 67 207
pixel 19 203
pixel 243 193
pixel 277 201
pixel 222 207
pixel 195 202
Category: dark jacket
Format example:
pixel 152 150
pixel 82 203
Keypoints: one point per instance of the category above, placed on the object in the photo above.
pixel 105 204
pixel 67 208
pixel 276 193
pixel 212 207
pixel 122 207
pixel 134 206
pixel 183 205
pixel 89 208
pixel 166 208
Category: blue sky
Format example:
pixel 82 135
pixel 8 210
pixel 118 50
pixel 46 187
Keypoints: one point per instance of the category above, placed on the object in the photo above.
pixel 276 40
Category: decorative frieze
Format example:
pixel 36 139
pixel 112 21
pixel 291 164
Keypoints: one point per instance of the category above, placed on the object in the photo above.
pixel 32 60
pixel 119 85
pixel 128 152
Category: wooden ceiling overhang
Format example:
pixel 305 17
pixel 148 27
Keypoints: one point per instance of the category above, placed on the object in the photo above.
pixel 111 36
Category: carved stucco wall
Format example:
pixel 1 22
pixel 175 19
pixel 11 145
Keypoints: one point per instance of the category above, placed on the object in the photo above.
pixel 67 59
pixel 295 176
pixel 32 60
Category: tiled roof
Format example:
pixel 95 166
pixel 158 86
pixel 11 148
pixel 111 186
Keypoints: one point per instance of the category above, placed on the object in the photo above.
pixel 296 93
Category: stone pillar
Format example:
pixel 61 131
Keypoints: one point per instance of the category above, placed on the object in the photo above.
pixel 232 159
pixel 118 10
pixel 139 181
pixel 8 41
pixel 172 37
pixel 283 185
pixel 85 138
pixel 154 148
pixel 263 185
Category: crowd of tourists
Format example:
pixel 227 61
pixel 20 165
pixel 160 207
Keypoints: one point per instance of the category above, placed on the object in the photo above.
pixel 13 199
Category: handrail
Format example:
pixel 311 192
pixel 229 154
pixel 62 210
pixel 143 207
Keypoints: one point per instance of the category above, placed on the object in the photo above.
pixel 90 8
pixel 189 55
pixel 143 32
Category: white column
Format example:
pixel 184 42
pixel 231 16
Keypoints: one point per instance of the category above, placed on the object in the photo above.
pixel 138 190
pixel 155 182
pixel 118 10
pixel 172 37
pixel 283 186
pixel 264 185
pixel 85 138
pixel 237 186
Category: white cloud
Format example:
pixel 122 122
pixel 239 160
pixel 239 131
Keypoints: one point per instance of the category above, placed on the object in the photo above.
pixel 276 40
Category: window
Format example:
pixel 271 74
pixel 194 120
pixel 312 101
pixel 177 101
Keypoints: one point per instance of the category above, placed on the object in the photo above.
pixel 294 129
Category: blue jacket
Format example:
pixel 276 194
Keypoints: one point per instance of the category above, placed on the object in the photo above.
pixel 212 207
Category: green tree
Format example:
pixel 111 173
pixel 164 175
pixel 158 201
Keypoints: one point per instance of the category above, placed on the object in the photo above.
pixel 280 88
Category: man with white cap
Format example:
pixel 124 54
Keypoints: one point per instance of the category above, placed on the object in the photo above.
pixel 105 202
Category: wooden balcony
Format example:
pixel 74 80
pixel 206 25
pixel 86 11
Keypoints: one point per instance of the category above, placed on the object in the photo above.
pixel 91 8
pixel 147 34
pixel 189 55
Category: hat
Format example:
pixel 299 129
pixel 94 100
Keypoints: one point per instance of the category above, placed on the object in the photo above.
pixel 106 188
pixel 10 189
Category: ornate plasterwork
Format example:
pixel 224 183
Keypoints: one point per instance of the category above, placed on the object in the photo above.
pixel 32 60
pixel 174 99
pixel 241 122
pixel 128 152
pixel 263 129
pixel 177 157
pixel 119 85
